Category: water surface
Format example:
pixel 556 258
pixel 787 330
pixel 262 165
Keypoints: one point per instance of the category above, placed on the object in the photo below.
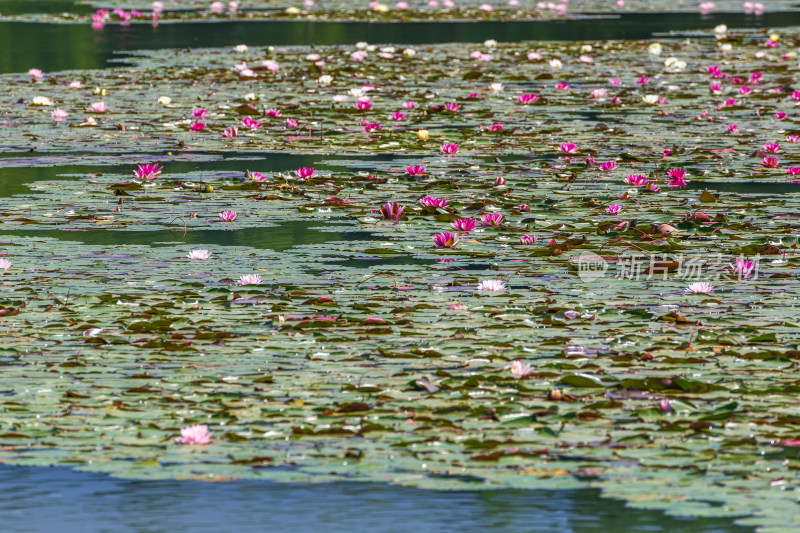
pixel 54 47
pixel 32 499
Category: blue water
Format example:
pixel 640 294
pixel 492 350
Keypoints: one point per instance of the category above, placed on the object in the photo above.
pixel 59 500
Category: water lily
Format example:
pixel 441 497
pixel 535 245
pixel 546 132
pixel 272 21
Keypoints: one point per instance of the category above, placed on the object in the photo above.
pixel 677 178
pixel 449 148
pixel 445 240
pixel 699 287
pixel 520 369
pixel 744 268
pixel 636 179
pixel 198 434
pixel 613 209
pixel 392 211
pixel 492 220
pixel 415 170
pixel 491 285
pixel 527 240
pixel 304 173
pixel 430 201
pixel 5 264
pixel 463 224
pixel 199 255
pixel 228 216
pixel 249 279
pixel 148 171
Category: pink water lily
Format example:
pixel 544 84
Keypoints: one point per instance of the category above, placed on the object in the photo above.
pixel 249 279
pixel 290 123
pixel 567 148
pixel 451 106
pixel 613 209
pixel 59 114
pixel 463 224
pixel 200 113
pixel 492 220
pixel 197 126
pixel 255 176
pixel 231 132
pixel 5 264
pixel 392 211
pixel 148 171
pixel 699 287
pixel 496 128
pixel 98 107
pixel 430 201
pixel 415 170
pixel 198 434
pixel 228 216
pixel 305 173
pixel 744 268
pixel 527 240
pixel 772 148
pixel 526 99
pixel 636 179
pixel 677 178
pixel 363 105
pixel 397 116
pixel 449 148
pixel 273 113
pixel 520 369
pixel 445 240
pixel 608 166
pixel 770 162
pixel 251 123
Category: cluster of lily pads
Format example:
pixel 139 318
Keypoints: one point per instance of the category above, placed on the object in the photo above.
pixel 414 306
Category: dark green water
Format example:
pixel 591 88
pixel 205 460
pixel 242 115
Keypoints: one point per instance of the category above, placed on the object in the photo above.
pixel 46 500
pixel 280 237
pixel 54 47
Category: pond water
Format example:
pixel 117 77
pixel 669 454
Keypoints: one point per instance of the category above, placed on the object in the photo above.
pixel 53 47
pixel 94 503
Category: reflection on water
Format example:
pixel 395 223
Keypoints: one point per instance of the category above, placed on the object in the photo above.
pixel 53 47
pixel 278 238
pixel 34 499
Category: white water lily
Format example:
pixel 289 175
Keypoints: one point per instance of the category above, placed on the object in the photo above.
pixel 556 63
pixel 325 80
pixel 240 48
pixel 165 100
pixel 492 285
pixel 496 87
pixel 200 255
pixel 489 43
pixel 673 64
pixel 409 52
pixel 41 100
pixel 650 99
pixel 655 49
